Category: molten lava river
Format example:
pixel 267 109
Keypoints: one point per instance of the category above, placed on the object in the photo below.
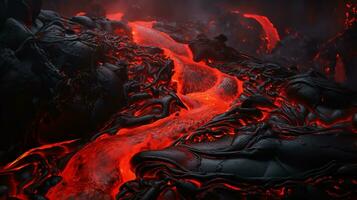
pixel 101 166
pixel 162 125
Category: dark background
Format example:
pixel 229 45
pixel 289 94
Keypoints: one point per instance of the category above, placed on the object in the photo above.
pixel 318 18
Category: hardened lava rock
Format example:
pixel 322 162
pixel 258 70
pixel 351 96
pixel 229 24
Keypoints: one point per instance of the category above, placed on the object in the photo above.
pixel 291 153
pixel 289 136
pixel 63 78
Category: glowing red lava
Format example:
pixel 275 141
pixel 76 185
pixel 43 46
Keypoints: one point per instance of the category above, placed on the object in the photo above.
pixel 271 34
pixel 97 170
pixel 115 16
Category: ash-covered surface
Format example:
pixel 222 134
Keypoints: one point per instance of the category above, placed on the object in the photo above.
pixel 93 108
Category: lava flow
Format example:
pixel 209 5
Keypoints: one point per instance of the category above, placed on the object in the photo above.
pixel 271 34
pixel 99 168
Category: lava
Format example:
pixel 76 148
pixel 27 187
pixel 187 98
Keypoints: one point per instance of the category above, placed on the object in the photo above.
pixel 176 127
pixel 57 150
pixel 271 34
pixel 104 164
pixel 115 16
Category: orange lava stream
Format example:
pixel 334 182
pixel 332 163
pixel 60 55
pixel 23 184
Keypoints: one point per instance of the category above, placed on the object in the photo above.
pixel 97 170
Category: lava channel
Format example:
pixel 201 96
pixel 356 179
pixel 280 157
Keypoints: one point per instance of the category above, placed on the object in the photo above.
pixel 99 168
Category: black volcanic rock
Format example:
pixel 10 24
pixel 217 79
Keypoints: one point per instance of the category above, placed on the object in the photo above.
pixel 23 10
pixel 216 49
pixel 42 61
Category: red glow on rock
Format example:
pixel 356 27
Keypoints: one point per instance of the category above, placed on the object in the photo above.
pixel 81 14
pixel 271 34
pixel 115 16
pixel 350 15
pixel 56 151
pixel 232 187
pixel 340 71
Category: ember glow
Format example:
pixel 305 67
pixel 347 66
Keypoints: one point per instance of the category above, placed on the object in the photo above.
pixel 340 75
